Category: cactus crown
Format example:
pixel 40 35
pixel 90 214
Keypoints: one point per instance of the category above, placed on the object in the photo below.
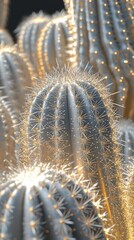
pixel 46 203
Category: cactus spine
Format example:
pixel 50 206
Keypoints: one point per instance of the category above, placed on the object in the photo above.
pixel 28 34
pixel 8 134
pixel 45 203
pixel 52 43
pixel 3 12
pixel 71 120
pixel 15 74
pixel 5 38
pixel 104 41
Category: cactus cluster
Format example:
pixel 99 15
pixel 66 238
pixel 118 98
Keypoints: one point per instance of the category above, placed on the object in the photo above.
pixel 44 203
pixel 58 125
pixel 104 40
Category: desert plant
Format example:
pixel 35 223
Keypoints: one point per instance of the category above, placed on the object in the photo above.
pixel 104 40
pixel 4 4
pixel 129 198
pixel 15 75
pixel 8 134
pixel 52 43
pixel 5 37
pixel 71 120
pixel 126 138
pixel 28 33
pixel 41 202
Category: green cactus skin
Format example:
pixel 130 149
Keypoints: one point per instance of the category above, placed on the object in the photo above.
pixel 52 43
pixel 71 120
pixel 103 40
pixel 4 4
pixel 5 38
pixel 126 138
pixel 8 134
pixel 45 203
pixel 15 74
pixel 28 33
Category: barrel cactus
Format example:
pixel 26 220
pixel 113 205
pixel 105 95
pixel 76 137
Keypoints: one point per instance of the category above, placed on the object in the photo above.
pixel 41 202
pixel 28 34
pixel 4 4
pixel 8 134
pixel 126 138
pixel 104 40
pixel 52 43
pixel 5 37
pixel 15 74
pixel 71 120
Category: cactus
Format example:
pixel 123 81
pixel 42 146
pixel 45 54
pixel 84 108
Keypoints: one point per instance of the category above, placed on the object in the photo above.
pixel 129 198
pixel 104 41
pixel 71 120
pixel 4 4
pixel 52 43
pixel 126 138
pixel 8 134
pixel 28 34
pixel 5 38
pixel 15 74
pixel 45 203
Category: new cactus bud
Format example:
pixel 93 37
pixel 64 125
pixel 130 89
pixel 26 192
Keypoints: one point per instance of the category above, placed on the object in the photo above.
pixel 71 120
pixel 15 75
pixel 103 40
pixel 126 138
pixel 52 43
pixel 4 4
pixel 28 34
pixel 8 134
pixel 41 202
pixel 5 37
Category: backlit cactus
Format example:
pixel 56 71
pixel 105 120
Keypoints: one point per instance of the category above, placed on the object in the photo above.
pixel 44 203
pixel 8 134
pixel 15 75
pixel 52 43
pixel 5 37
pixel 104 40
pixel 4 4
pixel 71 120
pixel 126 138
pixel 28 34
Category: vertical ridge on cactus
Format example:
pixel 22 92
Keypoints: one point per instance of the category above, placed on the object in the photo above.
pixel 4 4
pixel 46 203
pixel 108 42
pixel 28 34
pixel 8 134
pixel 71 120
pixel 5 37
pixel 126 138
pixel 15 74
pixel 52 43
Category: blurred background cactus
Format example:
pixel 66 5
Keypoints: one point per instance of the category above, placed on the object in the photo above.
pixel 4 8
pixel 5 38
